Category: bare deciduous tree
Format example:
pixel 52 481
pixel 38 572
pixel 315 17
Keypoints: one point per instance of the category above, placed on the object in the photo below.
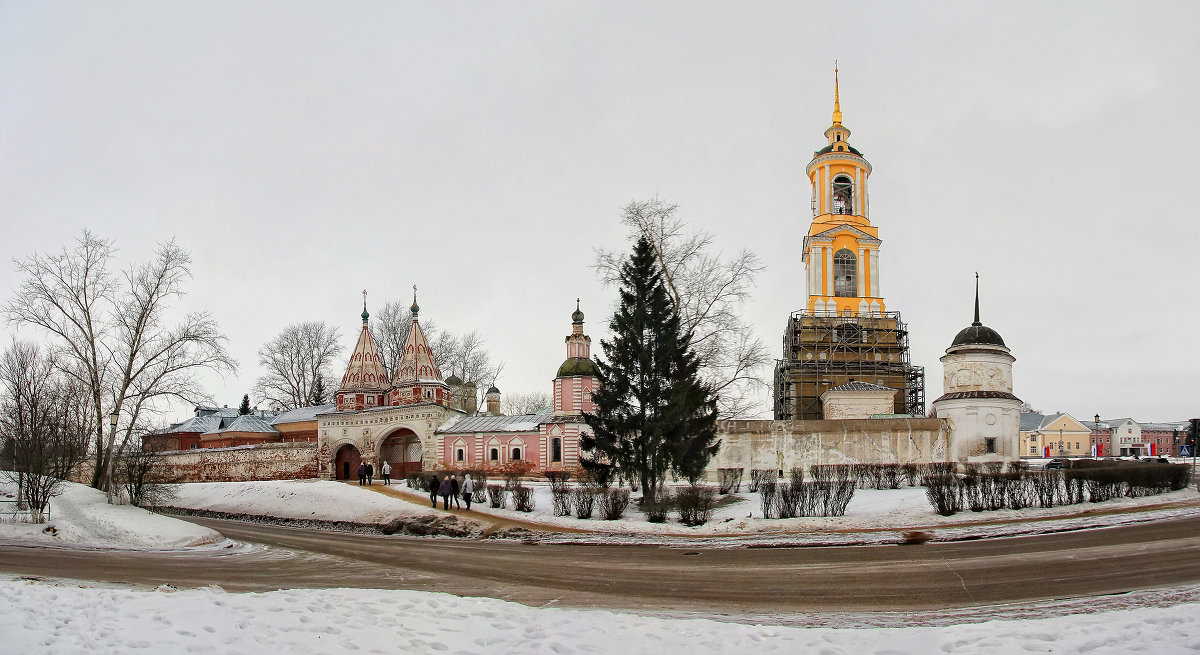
pixel 110 332
pixel 294 361
pixel 516 404
pixel 708 292
pixel 45 424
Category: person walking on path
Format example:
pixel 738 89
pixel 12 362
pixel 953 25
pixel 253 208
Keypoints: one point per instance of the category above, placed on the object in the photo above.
pixel 370 472
pixel 362 474
pixel 454 489
pixel 433 491
pixel 445 490
pixel 386 472
pixel 468 488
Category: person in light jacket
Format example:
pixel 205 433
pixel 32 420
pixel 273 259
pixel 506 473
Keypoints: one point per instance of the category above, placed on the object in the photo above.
pixel 446 489
pixel 468 488
pixel 386 472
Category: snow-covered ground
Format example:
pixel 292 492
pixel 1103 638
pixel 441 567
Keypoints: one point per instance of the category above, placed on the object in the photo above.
pixel 81 516
pixel 64 617
pixel 873 516
pixel 321 500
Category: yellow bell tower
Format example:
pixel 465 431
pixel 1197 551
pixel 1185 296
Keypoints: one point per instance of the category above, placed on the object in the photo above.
pixel 841 249
pixel 844 334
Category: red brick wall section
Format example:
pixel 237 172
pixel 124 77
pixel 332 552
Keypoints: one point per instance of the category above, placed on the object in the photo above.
pixel 274 461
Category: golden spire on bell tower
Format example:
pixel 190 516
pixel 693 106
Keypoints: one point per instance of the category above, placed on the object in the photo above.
pixel 837 105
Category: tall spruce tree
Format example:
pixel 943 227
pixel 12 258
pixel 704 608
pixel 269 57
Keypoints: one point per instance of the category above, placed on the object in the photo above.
pixel 653 414
pixel 245 408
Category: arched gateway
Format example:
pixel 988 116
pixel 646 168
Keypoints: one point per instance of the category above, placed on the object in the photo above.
pixel 345 463
pixel 402 450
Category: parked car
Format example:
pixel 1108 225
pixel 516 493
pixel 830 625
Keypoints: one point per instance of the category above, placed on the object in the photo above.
pixel 1054 464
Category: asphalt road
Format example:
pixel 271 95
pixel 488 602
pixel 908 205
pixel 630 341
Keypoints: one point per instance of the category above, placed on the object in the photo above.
pixel 754 580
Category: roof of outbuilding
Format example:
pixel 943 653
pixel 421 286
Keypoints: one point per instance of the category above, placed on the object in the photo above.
pixel 486 423
pixel 855 385
pixel 247 423
pixel 304 413
pixel 1031 421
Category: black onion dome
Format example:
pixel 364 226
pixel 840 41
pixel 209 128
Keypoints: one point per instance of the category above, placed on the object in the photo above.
pixel 454 380
pixel 493 389
pixel 577 366
pixel 978 334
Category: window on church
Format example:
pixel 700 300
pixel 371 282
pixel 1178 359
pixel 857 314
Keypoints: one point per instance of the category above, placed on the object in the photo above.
pixel 516 454
pixel 843 195
pixel 459 455
pixel 989 445
pixel 556 450
pixel 494 455
pixel 845 274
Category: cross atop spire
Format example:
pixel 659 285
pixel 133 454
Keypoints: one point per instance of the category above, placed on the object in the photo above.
pixel 837 105
pixel 977 299
pixel 365 314
pixel 415 307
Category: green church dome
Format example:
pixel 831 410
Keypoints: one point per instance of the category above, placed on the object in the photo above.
pixel 578 366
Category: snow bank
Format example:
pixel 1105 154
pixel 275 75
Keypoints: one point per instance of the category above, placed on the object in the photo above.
pixel 322 500
pixel 82 517
pixel 67 618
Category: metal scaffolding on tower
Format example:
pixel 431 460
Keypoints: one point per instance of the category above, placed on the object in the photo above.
pixel 822 352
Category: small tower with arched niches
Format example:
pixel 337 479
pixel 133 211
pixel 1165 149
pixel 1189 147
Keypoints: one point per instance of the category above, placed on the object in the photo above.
pixel 578 377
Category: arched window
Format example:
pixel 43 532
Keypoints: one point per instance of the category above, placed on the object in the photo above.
pixel 494 455
pixel 845 274
pixel 516 454
pixel 843 195
pixel 556 450
pixel 459 455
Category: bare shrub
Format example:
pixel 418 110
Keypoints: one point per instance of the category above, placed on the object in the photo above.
pixel 495 495
pixel 945 493
pixel 787 499
pixel 1047 486
pixel 558 479
pixel 941 468
pixel 890 477
pixel 522 498
pixel 695 504
pixel 767 495
pixel 139 476
pixel 656 505
pixel 1020 493
pixel 583 498
pixel 613 502
pixel 757 476
pixel 910 471
pixel 561 499
pixel 914 537
pixel 731 480
pixel 480 478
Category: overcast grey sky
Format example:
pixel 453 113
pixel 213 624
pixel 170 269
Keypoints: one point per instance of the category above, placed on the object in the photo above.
pixel 304 151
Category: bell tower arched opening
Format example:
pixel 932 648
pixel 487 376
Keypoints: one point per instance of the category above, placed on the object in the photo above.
pixel 843 195
pixel 845 274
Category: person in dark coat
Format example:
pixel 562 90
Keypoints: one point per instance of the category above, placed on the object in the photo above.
pixel 370 472
pixel 454 491
pixel 362 474
pixel 446 489
pixel 434 485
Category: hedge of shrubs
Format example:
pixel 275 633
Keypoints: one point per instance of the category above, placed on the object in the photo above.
pixel 827 494
pixel 988 488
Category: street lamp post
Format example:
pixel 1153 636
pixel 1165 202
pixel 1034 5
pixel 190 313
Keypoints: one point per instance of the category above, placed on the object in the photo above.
pixel 1097 417
pixel 112 424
